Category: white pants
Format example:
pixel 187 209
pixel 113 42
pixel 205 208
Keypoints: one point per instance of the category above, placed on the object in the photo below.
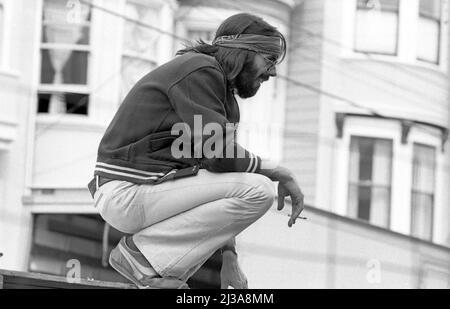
pixel 178 225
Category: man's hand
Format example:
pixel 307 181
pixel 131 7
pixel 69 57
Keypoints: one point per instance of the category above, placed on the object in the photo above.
pixel 231 274
pixel 292 190
pixel 287 187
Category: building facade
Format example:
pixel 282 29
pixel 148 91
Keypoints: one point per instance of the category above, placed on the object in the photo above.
pixel 360 111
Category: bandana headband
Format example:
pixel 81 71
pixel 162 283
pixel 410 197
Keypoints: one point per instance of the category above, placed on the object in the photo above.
pixel 254 42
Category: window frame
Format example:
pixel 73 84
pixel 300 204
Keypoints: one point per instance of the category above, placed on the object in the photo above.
pixel 86 89
pixel 400 219
pixel 397 37
pixel 441 25
pixel 364 127
pixel 408 18
pixel 370 185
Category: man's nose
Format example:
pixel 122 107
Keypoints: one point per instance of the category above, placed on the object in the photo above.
pixel 273 71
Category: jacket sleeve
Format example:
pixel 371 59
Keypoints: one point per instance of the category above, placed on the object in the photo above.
pixel 199 98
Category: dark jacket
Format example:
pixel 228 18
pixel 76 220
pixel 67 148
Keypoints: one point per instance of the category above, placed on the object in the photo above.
pixel 137 144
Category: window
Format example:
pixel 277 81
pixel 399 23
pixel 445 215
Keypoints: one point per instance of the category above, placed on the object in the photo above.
pixel 65 55
pixel 370 180
pixel 422 198
pixel 140 44
pixel 58 239
pixel 429 31
pixel 377 23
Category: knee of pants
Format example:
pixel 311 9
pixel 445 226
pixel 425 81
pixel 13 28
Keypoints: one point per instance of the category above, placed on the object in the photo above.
pixel 260 195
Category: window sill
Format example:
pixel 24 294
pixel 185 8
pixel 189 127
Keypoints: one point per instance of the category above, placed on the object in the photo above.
pixel 68 122
pixel 355 56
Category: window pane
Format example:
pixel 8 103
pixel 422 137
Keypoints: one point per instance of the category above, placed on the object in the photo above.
pixel 424 168
pixel 382 162
pixel 370 180
pixel 66 12
pixel 59 66
pixel 379 210
pixel 365 161
pixel 376 31
pixel 63 103
pixel 428 40
pixel 67 34
pixel 430 8
pixel 65 22
pixel 364 200
pixel 422 215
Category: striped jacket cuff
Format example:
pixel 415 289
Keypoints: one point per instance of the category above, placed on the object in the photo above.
pixel 254 164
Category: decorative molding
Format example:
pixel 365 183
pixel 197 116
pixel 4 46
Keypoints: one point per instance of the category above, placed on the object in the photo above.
pixel 340 121
pixel 406 128
pixel 406 125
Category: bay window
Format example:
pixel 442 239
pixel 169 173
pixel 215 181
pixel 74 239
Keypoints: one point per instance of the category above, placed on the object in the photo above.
pixel 369 191
pixel 429 30
pixel 65 56
pixel 409 31
pixel 376 28
pixel 140 44
pixel 422 194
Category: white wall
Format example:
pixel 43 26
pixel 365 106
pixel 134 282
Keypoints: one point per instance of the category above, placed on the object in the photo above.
pixel 15 221
pixel 329 251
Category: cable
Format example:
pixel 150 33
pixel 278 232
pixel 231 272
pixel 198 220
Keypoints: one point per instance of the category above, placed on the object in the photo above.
pixel 331 95
pixel 304 85
pixel 336 43
pixel 340 98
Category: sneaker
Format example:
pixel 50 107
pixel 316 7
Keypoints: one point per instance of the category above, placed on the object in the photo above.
pixel 133 266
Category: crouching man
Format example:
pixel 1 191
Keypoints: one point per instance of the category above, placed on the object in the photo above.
pixel 179 210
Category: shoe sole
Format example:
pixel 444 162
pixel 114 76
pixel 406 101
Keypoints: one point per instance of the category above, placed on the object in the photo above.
pixel 116 256
pixel 121 270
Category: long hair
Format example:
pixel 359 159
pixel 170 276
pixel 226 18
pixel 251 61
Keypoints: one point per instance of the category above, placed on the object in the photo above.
pixel 234 60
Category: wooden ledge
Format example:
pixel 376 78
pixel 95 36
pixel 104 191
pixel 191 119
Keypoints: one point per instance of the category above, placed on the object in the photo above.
pixel 22 280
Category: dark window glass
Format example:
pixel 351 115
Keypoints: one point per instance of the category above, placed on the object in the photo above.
pixel 74 103
pixel 74 71
pixel 370 180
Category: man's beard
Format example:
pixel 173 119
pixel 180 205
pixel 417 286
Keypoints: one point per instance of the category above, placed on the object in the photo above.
pixel 246 83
